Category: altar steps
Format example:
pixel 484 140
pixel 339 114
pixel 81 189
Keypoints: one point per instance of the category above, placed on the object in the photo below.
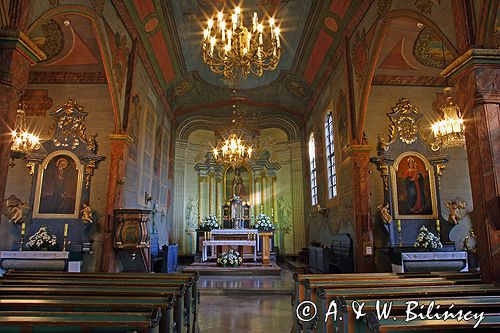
pixel 248 268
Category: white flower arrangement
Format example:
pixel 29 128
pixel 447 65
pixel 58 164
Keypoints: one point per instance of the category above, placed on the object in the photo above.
pixel 427 240
pixel 230 259
pixel 210 222
pixel 263 223
pixel 42 239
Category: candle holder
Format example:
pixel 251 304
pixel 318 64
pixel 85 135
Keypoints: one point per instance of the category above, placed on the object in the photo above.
pixel 23 230
pixel 438 228
pixel 399 232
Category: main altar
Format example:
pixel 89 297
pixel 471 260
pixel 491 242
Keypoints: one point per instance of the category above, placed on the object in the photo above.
pixel 236 196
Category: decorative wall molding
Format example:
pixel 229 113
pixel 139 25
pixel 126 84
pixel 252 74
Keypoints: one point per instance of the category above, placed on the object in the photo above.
pixel 67 77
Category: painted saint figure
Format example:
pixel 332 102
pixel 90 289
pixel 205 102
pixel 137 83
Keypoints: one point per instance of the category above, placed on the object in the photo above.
pixel 414 186
pixel 238 186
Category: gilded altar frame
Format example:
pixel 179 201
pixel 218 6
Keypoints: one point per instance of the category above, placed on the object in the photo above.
pixel 39 181
pixel 431 182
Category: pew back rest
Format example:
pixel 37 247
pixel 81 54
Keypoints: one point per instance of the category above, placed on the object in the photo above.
pixel 341 258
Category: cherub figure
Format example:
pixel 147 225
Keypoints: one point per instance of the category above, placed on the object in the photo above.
pixel 87 214
pixel 17 212
pixel 385 212
pixel 454 207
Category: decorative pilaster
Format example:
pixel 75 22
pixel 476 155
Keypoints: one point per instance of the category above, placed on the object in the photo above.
pixel 263 192
pixel 360 159
pixel 119 145
pixel 200 198
pixel 210 192
pixel 217 198
pixel 17 54
pixel 476 78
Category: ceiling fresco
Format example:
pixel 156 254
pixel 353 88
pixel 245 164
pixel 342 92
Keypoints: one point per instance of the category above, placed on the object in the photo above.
pixel 190 19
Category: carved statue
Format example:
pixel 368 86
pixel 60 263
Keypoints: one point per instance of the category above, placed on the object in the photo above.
pixel 18 212
pixel 15 209
pixel 87 214
pixel 385 212
pixel 454 207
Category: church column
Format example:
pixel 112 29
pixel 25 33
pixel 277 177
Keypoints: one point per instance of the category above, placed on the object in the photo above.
pixel 263 193
pixel 119 145
pixel 200 198
pixel 210 193
pixel 299 231
pixel 273 197
pixel 360 159
pixel 476 79
pixel 217 199
pixel 17 55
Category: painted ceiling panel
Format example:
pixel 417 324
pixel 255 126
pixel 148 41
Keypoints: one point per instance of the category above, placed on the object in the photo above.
pixel 191 15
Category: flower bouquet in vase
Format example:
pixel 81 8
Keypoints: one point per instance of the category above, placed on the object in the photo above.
pixel 427 240
pixel 263 223
pixel 210 223
pixel 42 240
pixel 230 259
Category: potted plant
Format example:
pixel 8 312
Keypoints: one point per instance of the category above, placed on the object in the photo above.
pixel 263 223
pixel 42 240
pixel 427 240
pixel 230 259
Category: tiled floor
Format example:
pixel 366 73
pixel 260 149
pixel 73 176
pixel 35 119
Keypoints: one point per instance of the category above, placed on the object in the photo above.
pixel 245 313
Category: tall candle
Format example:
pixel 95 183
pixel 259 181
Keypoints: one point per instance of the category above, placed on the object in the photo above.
pixel 65 230
pixel 23 229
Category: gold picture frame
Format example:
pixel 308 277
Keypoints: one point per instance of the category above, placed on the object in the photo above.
pixel 413 187
pixel 59 184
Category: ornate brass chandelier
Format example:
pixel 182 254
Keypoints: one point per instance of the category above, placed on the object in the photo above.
pixel 450 131
pixel 233 147
pixel 23 142
pixel 229 46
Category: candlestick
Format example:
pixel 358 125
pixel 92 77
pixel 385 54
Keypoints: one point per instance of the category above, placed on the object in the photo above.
pixel 438 228
pixel 65 230
pixel 23 229
pixel 399 232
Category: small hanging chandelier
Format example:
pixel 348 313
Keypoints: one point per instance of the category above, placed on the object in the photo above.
pixel 229 46
pixel 234 145
pixel 23 142
pixel 450 131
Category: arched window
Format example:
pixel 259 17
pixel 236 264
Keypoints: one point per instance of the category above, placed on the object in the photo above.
pixel 330 156
pixel 312 165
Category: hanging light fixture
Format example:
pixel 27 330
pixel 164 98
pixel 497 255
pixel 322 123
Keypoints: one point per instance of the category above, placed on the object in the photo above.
pixel 229 46
pixel 23 142
pixel 449 132
pixel 234 146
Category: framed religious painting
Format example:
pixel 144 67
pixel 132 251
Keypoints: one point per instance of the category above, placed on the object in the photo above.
pixel 237 183
pixel 59 186
pixel 413 187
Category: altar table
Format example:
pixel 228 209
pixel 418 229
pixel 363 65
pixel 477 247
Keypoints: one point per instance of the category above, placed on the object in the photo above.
pixel 34 260
pixel 239 243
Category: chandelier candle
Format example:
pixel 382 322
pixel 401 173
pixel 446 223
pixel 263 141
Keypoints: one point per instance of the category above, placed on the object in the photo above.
pixel 229 46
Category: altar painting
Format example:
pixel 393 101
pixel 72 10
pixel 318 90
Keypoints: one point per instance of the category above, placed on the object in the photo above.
pixel 238 183
pixel 59 187
pixel 414 191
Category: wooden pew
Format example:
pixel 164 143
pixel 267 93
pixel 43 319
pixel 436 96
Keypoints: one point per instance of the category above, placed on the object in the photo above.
pixel 94 303
pixel 305 284
pixel 490 322
pixel 25 321
pixel 326 296
pixel 182 325
pixel 190 300
pixel 349 323
pixel 192 295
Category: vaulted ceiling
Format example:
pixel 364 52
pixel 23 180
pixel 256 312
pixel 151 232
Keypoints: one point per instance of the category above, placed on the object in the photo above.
pixel 171 30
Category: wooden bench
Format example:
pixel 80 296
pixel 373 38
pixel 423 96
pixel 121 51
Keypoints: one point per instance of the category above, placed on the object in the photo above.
pixel 25 321
pixel 181 318
pixel 220 242
pixel 191 295
pixel 490 322
pixel 349 322
pixel 326 296
pixel 94 304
